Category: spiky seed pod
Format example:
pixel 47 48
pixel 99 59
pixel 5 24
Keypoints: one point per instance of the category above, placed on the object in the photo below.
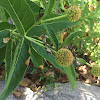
pixel 64 57
pixel 95 71
pixel 74 13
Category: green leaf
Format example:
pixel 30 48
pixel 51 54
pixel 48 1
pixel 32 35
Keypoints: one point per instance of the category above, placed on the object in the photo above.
pixel 95 34
pixel 57 27
pixel 81 60
pixel 68 39
pixel 18 69
pixel 42 51
pixel 36 58
pixel 4 26
pixel 93 15
pixel 71 76
pixel 85 11
pixel 44 3
pixel 98 7
pixel 3 34
pixel 9 56
pixel 52 35
pixel 2 15
pixel 36 31
pixel 6 14
pixel 2 54
pixel 71 2
pixel 91 24
pixel 73 71
pixel 35 8
pixel 54 18
pixel 49 7
pixel 70 71
pixel 51 15
pixel 20 13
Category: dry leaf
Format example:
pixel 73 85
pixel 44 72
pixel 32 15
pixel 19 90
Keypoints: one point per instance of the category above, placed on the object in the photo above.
pixel 6 40
pixel 0 77
pixel 58 70
pixel 41 66
pixel 89 80
pixel 49 73
pixel 61 37
pixel 62 78
pixel 43 38
pixel 27 61
pixel 33 87
pixel 25 82
pixel 39 88
pixel 94 39
pixel 37 82
pixel 39 37
pixel 18 93
pixel 2 72
pixel 98 83
pixel 48 49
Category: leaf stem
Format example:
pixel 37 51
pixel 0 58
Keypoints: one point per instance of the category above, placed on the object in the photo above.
pixel 33 40
pixel 46 20
pixel 38 42
pixel 89 64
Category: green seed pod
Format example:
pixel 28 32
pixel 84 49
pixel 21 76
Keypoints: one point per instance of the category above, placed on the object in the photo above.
pixel 64 57
pixel 95 71
pixel 74 13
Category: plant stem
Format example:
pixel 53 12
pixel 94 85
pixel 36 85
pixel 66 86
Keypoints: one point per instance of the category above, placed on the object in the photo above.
pixel 50 19
pixel 34 40
pixel 54 52
pixel 40 43
pixel 42 21
pixel 38 22
pixel 89 64
pixel 17 34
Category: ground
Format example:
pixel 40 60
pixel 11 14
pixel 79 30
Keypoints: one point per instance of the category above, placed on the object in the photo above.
pixel 62 91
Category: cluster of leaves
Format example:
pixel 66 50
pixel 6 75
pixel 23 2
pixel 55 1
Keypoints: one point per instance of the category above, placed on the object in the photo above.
pixel 19 39
pixel 88 42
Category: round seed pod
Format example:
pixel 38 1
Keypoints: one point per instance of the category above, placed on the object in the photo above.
pixel 64 57
pixel 74 13
pixel 95 71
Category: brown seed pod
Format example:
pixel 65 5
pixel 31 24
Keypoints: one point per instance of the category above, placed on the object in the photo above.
pixel 74 13
pixel 64 57
pixel 95 71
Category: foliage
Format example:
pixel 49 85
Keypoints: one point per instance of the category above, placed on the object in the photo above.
pixel 22 34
